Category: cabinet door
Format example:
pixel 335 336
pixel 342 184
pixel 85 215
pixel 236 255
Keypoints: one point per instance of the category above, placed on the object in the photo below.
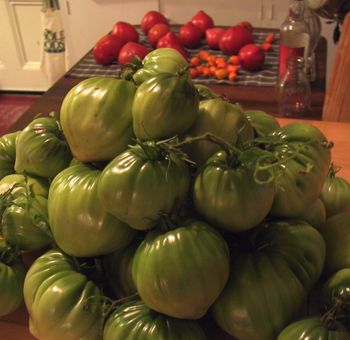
pixel 20 46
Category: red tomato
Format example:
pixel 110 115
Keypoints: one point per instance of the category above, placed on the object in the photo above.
pixel 130 50
pixel 106 49
pixel 213 36
pixel 252 57
pixel 203 21
pixel 177 47
pixel 169 37
pixel 247 25
pixel 156 32
pixel 125 31
pixel 150 19
pixel 190 35
pixel 234 39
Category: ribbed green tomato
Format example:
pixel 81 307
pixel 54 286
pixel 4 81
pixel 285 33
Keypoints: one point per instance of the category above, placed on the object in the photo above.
pixel 8 154
pixel 159 61
pixel 335 194
pixel 21 184
pixel 143 182
pixel 315 214
pixel 222 119
pixel 134 321
pixel 262 122
pixel 164 106
pixel 61 301
pixel 12 273
pixel 301 180
pixel 228 195
pixel 337 286
pixel 181 272
pixel 336 233
pixel 79 223
pixel 118 269
pixel 41 149
pixel 25 224
pixel 96 118
pixel 205 92
pixel 313 328
pixel 272 271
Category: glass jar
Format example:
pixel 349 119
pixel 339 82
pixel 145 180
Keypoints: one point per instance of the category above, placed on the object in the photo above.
pixel 294 35
pixel 293 90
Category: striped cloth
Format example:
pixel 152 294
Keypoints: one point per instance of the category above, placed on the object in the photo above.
pixel 87 67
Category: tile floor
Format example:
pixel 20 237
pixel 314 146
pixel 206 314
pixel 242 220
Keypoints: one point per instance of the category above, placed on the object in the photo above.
pixel 12 106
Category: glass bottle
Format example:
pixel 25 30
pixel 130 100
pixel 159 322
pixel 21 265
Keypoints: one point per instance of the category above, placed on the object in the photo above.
pixel 294 93
pixel 294 35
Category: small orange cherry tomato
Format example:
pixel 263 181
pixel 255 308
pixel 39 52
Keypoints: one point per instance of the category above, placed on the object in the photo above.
pixel 203 55
pixel 270 38
pixel 232 68
pixel 211 60
pixel 232 76
pixel 193 72
pixel 206 72
pixel 212 70
pixel 266 47
pixel 234 60
pixel 200 68
pixel 195 61
pixel 221 73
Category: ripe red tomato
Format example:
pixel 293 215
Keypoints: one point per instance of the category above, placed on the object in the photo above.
pixel 156 32
pixel 106 49
pixel 168 38
pixel 252 57
pixel 130 50
pixel 177 47
pixel 247 25
pixel 125 31
pixel 150 19
pixel 203 21
pixel 213 36
pixel 234 39
pixel 190 35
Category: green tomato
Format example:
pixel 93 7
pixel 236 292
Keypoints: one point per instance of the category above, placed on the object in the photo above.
pixel 134 321
pixel 335 194
pixel 118 269
pixel 205 92
pixel 336 287
pixel 61 301
pixel 7 154
pixel 227 194
pixel 141 183
pixel 301 178
pixel 336 233
pixel 79 223
pixel 25 223
pixel 18 184
pixel 262 122
pixel 271 273
pixel 181 272
pixel 164 106
pixel 224 120
pixel 313 328
pixel 159 61
pixel 41 149
pixel 96 118
pixel 12 273
pixel 315 214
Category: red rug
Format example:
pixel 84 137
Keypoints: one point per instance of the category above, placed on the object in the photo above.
pixel 12 106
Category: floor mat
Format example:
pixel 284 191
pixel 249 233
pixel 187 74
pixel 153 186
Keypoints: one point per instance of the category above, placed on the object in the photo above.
pixel 13 107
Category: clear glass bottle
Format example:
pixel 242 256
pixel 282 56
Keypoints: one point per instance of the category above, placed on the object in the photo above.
pixel 294 93
pixel 294 35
